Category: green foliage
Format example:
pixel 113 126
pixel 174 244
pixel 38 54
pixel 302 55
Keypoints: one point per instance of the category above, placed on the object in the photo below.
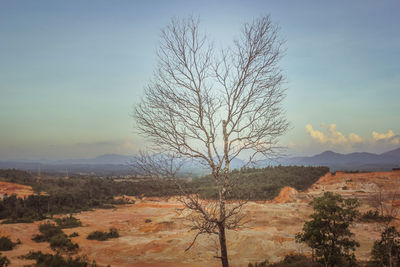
pixel 4 261
pixel 62 242
pixel 374 216
pixel 296 260
pixel 259 264
pixel 56 237
pixel 103 236
pixel 263 183
pixel 292 260
pixel 68 222
pixel 386 251
pixel 49 260
pixel 74 234
pixel 6 244
pixel 328 230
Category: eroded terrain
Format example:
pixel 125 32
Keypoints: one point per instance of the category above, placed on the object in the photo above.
pixel 154 234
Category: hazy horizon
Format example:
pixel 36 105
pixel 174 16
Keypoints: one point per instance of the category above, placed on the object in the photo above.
pixel 71 72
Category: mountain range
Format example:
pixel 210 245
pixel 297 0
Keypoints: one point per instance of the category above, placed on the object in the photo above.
pixel 120 164
pixel 361 161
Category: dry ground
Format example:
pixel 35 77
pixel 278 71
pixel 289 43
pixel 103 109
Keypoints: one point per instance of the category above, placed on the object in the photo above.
pixel 268 233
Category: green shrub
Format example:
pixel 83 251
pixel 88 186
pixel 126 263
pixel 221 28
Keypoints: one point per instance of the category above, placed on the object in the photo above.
pixel 56 237
pixel 374 216
pixel 103 236
pixel 74 234
pixel 113 233
pixel 49 260
pixel 6 244
pixel 68 222
pixel 4 261
pixel 292 260
pixel 261 264
pixel 387 249
pixel 62 242
pixel 48 230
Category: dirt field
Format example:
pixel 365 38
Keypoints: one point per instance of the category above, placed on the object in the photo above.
pixel 17 189
pixel 268 233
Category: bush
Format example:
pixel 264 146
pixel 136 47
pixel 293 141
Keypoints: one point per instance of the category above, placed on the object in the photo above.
pixel 6 244
pixel 68 222
pixel 296 260
pixel 48 230
pixel 293 260
pixel 4 261
pixel 103 236
pixel 374 216
pixel 113 233
pixel 74 234
pixel 49 260
pixel 61 241
pixel 56 237
pixel 261 264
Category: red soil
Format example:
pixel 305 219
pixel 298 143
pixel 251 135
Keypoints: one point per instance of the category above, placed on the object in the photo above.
pixel 18 189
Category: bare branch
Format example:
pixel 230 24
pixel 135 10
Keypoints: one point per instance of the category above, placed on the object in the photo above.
pixel 215 107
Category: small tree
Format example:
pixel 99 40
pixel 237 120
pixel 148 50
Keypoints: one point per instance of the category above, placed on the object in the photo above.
pixel 328 231
pixel 386 252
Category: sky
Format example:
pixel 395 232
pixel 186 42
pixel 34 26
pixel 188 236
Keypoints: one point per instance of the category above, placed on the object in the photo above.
pixel 72 71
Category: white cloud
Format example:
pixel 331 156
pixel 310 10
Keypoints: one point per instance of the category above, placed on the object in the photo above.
pixel 354 138
pixel 330 138
pixel 315 134
pixel 389 137
pixel 333 136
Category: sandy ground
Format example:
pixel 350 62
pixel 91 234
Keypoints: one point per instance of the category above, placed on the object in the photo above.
pixel 268 232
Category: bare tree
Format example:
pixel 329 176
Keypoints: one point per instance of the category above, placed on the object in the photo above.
pixel 213 107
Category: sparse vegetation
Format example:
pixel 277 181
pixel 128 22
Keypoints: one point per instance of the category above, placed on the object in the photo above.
pixel 292 260
pixel 374 216
pixel 103 236
pixel 49 260
pixel 56 237
pixel 80 193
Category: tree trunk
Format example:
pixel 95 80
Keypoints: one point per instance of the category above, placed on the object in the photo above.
pixel 222 197
pixel 222 243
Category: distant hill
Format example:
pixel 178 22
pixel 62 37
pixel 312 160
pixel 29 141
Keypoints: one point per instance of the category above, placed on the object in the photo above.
pixel 115 164
pixel 361 161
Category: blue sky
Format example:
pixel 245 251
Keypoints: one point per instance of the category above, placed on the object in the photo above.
pixel 71 71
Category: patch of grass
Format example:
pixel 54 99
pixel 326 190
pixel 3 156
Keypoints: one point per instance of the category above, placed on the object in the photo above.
pixel 103 236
